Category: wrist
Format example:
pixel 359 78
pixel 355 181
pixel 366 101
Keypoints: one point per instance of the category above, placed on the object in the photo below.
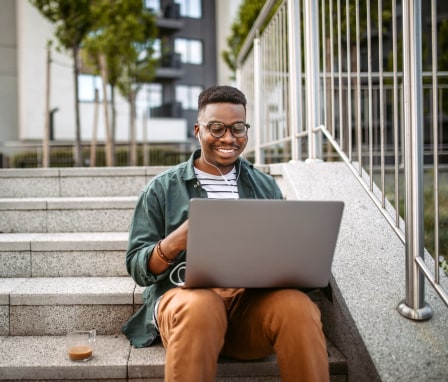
pixel 162 255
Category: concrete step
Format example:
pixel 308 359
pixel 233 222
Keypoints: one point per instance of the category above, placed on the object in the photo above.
pixel 55 305
pixel 63 254
pixel 36 313
pixel 75 182
pixel 75 214
pixel 44 358
pixel 62 268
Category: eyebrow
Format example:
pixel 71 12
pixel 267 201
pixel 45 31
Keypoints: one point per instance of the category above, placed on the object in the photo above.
pixel 230 124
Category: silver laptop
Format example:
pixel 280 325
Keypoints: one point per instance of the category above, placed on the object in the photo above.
pixel 254 243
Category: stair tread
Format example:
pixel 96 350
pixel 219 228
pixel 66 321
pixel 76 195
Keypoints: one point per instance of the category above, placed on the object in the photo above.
pixel 126 171
pixel 92 181
pixel 33 348
pixel 42 241
pixel 78 202
pixel 68 291
pixel 68 198
pixel 44 357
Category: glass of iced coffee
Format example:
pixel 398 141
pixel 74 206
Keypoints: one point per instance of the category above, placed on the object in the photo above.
pixel 80 344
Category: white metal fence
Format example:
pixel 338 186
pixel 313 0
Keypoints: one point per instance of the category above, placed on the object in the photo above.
pixel 355 81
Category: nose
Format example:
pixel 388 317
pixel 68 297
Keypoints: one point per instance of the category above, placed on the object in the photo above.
pixel 228 136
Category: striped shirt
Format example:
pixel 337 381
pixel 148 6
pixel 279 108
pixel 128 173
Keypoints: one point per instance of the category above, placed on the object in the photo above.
pixel 217 186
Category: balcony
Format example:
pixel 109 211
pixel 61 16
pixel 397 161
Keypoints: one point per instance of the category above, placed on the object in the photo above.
pixel 169 19
pixel 167 110
pixel 170 67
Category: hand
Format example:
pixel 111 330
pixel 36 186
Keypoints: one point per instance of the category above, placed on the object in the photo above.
pixel 171 245
pixel 177 240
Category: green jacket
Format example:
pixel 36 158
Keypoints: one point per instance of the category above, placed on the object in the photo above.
pixel 161 208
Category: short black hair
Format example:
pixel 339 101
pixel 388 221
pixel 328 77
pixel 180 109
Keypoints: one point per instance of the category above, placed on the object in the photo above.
pixel 218 94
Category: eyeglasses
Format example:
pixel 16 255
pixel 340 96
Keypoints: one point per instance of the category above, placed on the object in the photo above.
pixel 218 129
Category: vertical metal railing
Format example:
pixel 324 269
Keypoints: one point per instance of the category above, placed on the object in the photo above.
pixel 295 84
pixel 364 90
pixel 414 305
pixel 311 26
pixel 275 77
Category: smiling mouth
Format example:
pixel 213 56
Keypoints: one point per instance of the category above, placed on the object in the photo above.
pixel 227 150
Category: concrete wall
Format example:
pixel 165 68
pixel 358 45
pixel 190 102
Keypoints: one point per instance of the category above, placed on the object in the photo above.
pixel 33 33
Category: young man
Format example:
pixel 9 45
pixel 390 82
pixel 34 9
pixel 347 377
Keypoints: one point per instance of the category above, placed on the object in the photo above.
pixel 198 325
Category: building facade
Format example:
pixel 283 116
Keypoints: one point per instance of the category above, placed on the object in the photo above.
pixel 191 38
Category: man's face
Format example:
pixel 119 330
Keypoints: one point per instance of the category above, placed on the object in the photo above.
pixel 224 151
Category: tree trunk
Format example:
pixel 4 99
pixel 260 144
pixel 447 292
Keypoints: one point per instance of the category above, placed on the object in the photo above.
pixel 46 140
pixel 109 152
pixel 94 131
pixel 114 123
pixel 145 118
pixel 133 148
pixel 78 149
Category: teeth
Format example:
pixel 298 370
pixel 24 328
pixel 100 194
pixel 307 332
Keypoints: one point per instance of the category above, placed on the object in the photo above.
pixel 227 150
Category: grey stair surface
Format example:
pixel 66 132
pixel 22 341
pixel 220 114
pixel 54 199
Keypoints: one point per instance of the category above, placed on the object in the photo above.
pixel 73 182
pixel 76 214
pixel 62 254
pixel 33 358
pixel 56 305
pixel 62 245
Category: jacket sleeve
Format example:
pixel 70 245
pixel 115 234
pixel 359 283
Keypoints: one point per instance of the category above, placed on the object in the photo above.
pixel 277 193
pixel 263 185
pixel 146 229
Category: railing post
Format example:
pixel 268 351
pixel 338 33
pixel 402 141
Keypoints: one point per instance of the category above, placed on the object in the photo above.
pixel 312 80
pixel 257 100
pixel 414 306
pixel 295 83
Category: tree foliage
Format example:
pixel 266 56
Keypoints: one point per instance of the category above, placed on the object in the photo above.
pixel 365 8
pixel 119 31
pixel 124 33
pixel 123 36
pixel 72 20
pixel 249 11
pixel 247 14
pixel 443 45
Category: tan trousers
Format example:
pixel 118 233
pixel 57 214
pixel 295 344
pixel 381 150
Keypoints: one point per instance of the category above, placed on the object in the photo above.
pixel 198 325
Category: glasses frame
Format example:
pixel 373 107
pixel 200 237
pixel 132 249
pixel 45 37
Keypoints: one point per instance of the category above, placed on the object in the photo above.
pixel 231 127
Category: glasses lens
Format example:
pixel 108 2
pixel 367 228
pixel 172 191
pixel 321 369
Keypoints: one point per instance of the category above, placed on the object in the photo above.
pixel 239 130
pixel 217 129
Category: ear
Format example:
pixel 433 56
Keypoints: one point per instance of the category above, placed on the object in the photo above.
pixel 197 133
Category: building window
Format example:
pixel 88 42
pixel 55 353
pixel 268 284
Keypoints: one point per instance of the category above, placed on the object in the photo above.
pixel 188 96
pixel 153 5
pixel 149 96
pixel 190 50
pixel 190 8
pixel 87 84
pixel 157 48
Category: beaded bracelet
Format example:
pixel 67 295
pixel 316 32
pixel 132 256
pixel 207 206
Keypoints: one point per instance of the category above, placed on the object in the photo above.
pixel 162 256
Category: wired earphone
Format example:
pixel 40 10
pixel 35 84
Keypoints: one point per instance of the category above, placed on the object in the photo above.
pixel 198 136
pixel 176 273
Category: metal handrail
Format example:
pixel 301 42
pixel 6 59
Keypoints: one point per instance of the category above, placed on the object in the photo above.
pixel 315 103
